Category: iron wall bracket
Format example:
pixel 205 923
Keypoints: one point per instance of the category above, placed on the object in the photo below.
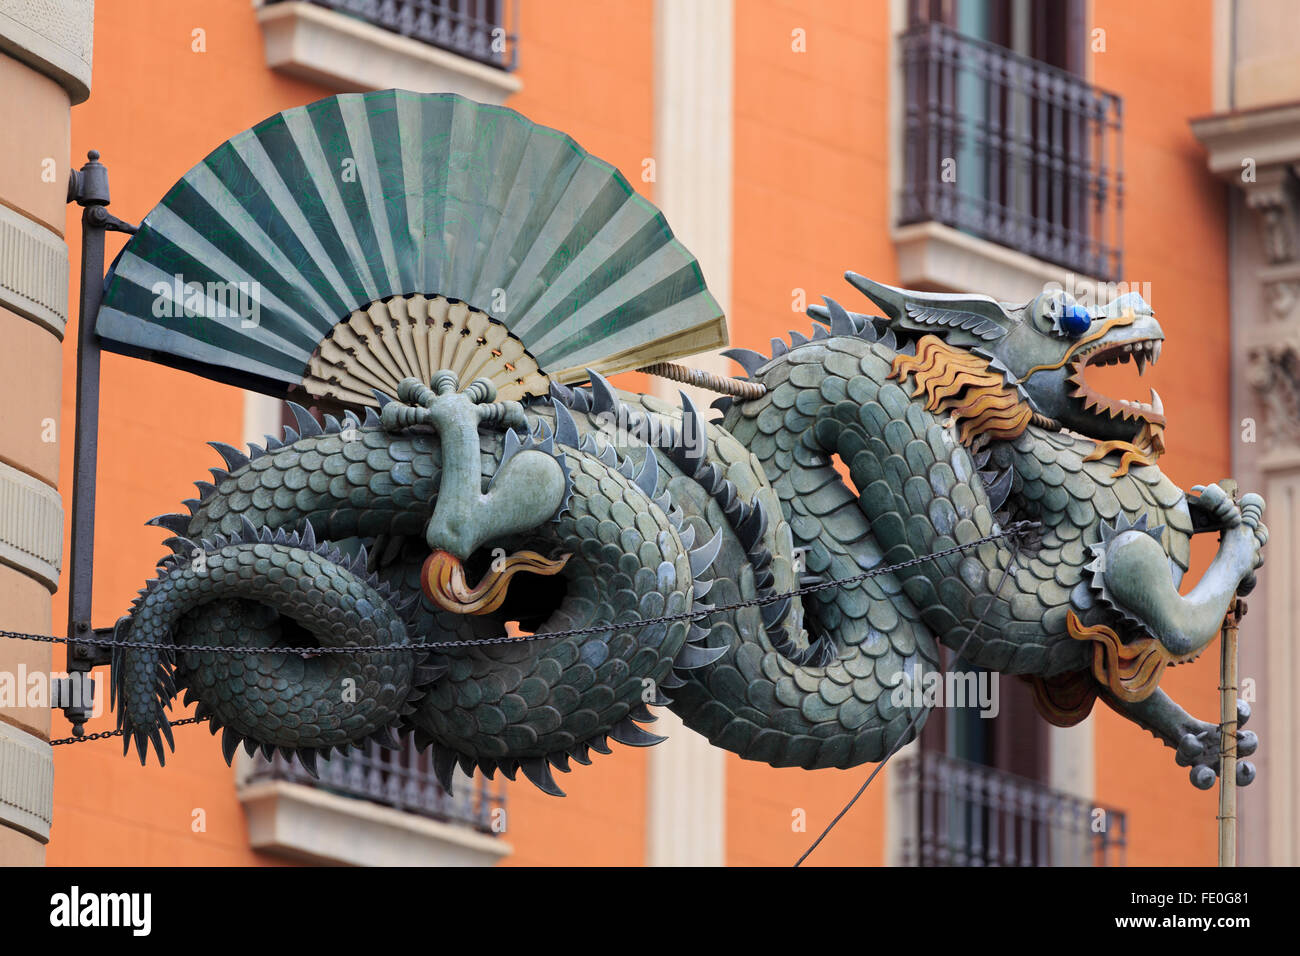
pixel 88 187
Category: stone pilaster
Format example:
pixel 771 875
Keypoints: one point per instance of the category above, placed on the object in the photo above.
pixel 1257 152
pixel 687 798
pixel 44 68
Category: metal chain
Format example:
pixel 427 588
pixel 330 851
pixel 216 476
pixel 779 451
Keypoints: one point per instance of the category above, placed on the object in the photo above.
pixel 102 735
pixel 1016 530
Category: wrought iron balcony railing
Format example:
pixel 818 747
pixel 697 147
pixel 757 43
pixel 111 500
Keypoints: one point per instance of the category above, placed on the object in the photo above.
pixel 482 30
pixel 402 779
pixel 964 814
pixel 1011 150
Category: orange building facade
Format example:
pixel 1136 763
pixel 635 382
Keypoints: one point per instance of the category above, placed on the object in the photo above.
pixel 771 133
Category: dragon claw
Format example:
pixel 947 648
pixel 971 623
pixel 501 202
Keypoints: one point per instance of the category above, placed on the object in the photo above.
pixel 397 416
pixel 1203 777
pixel 414 392
pixel 1217 503
pixel 1247 743
pixel 481 391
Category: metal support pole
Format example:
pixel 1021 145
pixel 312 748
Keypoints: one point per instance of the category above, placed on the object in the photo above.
pixel 1228 742
pixel 88 187
pixel 1228 714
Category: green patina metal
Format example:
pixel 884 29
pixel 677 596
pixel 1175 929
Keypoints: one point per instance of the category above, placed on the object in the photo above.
pixel 953 415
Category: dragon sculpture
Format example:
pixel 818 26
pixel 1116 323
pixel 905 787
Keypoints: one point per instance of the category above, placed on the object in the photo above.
pixel 659 559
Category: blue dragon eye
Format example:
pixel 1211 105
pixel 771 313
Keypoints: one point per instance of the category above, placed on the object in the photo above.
pixel 1075 321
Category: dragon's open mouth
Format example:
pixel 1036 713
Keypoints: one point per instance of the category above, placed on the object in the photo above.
pixel 1142 351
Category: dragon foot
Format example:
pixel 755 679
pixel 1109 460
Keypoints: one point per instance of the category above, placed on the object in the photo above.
pixel 1131 573
pixel 1200 748
pixel 1197 743
pixel 531 482
pixel 421 404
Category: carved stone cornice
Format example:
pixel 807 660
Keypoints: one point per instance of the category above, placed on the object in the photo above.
pixel 1270 195
pixel 1280 284
pixel 1273 371
pixel 1267 136
pixel 1258 152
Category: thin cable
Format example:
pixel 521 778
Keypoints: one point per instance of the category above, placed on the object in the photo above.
pixel 902 738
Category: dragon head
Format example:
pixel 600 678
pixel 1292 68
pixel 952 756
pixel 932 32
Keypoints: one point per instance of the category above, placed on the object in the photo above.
pixel 1042 349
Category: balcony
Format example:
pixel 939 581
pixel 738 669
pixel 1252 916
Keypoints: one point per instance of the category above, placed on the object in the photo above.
pixel 476 29
pixel 957 813
pixel 402 779
pixel 373 807
pixel 1012 151
pixel 469 47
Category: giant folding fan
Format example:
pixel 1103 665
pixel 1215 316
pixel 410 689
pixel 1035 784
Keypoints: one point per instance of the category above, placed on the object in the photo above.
pixel 339 247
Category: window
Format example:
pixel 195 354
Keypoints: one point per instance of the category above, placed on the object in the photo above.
pixel 1004 139
pixel 959 813
pixel 976 792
